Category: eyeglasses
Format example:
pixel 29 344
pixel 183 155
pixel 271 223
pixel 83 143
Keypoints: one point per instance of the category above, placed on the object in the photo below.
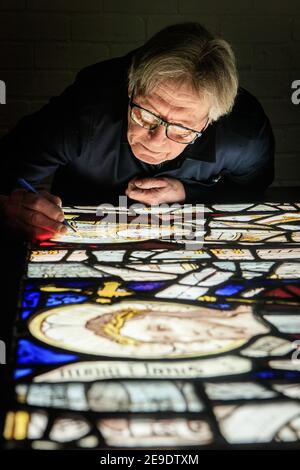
pixel 176 132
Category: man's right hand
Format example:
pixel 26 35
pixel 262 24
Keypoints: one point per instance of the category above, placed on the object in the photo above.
pixel 38 216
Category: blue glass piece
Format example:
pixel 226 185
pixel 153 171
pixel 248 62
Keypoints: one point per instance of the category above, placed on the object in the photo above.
pixel 291 375
pixel 31 299
pixel 25 313
pixel 229 289
pixel 145 286
pixel 18 373
pixel 76 283
pixel 63 299
pixel 278 374
pixel 222 306
pixel 30 353
pixel 265 374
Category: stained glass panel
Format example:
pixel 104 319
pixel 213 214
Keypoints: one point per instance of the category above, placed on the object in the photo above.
pixel 180 327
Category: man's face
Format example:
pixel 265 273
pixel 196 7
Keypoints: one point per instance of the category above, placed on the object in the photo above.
pixel 178 104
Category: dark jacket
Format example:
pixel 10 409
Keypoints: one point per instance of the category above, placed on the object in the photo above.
pixel 80 138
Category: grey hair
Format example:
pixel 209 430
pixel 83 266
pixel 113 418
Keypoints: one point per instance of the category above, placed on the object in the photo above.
pixel 187 52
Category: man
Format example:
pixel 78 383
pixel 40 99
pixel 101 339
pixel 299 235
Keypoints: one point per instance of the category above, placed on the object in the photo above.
pixel 166 123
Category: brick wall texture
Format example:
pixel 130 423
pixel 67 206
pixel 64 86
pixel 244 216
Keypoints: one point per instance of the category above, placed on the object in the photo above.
pixel 43 44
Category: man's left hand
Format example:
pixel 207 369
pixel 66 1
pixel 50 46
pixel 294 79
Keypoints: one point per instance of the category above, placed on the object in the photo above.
pixel 155 190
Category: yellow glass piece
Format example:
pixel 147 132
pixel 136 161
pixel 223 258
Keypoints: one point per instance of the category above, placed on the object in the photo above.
pixel 21 425
pixel 113 327
pixel 103 301
pixel 9 426
pixel 16 425
pixel 207 298
pixel 40 252
pixel 110 290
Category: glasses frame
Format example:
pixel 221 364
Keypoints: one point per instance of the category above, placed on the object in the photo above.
pixel 166 124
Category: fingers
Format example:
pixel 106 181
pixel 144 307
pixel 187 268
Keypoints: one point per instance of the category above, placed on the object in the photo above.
pixel 151 183
pixel 146 197
pixel 38 203
pixel 144 184
pixel 39 220
pixel 55 199
pixel 156 190
pixel 32 221
pixel 30 232
pixel 146 190
pixel 131 186
pixel 38 216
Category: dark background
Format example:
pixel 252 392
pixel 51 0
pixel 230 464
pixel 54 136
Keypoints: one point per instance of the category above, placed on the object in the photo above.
pixel 43 43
